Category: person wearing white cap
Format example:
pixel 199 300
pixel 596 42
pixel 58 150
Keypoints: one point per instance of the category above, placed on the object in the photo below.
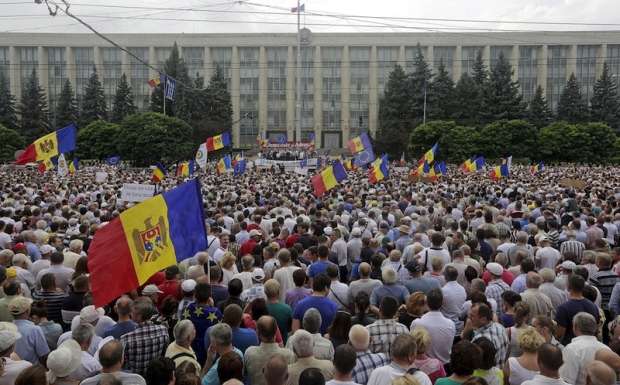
pixel 354 245
pixel 153 292
pixel 32 346
pixel 11 366
pixel 496 286
pixel 187 287
pixel 257 290
pixel 62 362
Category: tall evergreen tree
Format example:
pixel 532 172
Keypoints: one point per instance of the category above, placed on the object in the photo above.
pixel 66 108
pixel 176 69
pixel 394 115
pixel 93 103
pixel 442 104
pixel 604 105
pixel 419 81
pixel 572 106
pixel 502 98
pixel 218 104
pixel 33 113
pixel 468 99
pixel 538 113
pixel 123 101
pixel 8 116
pixel 480 74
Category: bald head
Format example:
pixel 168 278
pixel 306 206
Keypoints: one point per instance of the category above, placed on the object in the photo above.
pixel 276 370
pixel 359 337
pixel 364 269
pixel 266 328
pixel 599 373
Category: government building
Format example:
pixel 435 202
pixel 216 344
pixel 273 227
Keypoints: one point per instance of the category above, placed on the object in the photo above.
pixel 343 75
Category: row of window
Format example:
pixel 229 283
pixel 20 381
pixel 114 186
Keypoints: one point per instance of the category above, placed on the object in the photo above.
pixel 277 59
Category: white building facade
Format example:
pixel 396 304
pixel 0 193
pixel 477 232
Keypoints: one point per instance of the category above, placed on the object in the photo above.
pixel 343 75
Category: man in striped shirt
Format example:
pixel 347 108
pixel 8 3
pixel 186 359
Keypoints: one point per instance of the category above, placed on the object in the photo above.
pixel 572 246
pixel 52 296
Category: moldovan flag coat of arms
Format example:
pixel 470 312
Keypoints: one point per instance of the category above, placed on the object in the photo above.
pixel 157 233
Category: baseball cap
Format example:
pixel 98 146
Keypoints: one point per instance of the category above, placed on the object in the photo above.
pixel 356 232
pixel 328 230
pixel 19 305
pixel 495 268
pixel 90 314
pixel 46 249
pixel 151 289
pixel 8 335
pixel 258 274
pixel 188 285
pixel 65 360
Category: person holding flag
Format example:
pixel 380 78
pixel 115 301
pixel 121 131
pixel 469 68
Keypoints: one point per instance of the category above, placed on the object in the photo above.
pixel 159 173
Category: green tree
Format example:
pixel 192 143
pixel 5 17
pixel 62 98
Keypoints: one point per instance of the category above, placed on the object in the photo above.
pixel 480 73
pixel 442 103
pixel 394 125
pixel 456 143
pixel 502 99
pixel 66 109
pixel 34 119
pixel 508 137
pixel 572 106
pixel 151 137
pixel 176 69
pixel 419 87
pixel 553 145
pixel 8 116
pixel 93 103
pixel 219 105
pixel 98 140
pixel 123 101
pixel 600 142
pixel 11 141
pixel 467 101
pixel 604 105
pixel 538 112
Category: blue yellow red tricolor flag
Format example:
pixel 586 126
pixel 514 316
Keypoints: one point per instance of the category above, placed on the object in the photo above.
pixel 328 178
pixel 536 168
pixel 159 173
pixel 359 143
pixel 224 164
pixel 429 156
pixel 379 170
pixel 155 234
pixel 218 142
pixel 73 166
pixel 50 145
pixel 502 170
pixel 186 169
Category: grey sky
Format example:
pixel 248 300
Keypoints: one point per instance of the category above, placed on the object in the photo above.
pixel 217 16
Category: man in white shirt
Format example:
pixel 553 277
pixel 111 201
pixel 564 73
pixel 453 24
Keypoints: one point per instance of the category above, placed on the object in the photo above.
pixel 547 256
pixel 436 250
pixel 62 273
pixel 284 274
pixel 549 363
pixel 441 329
pixel 403 353
pixel 454 296
pixel 582 349
pixel 339 249
pixel 338 291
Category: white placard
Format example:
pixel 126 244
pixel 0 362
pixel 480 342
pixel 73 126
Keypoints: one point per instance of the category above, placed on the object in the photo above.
pixel 101 176
pixel 134 192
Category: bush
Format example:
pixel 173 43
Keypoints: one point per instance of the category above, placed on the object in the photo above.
pixel 151 137
pixel 98 140
pixel 10 141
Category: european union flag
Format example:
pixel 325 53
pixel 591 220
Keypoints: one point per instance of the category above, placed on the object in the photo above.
pixel 113 160
pixel 364 157
pixel 303 163
pixel 170 86
pixel 282 139
pixel 239 168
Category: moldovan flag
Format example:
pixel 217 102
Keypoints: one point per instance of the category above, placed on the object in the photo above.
pixel 147 238
pixel 379 170
pixel 536 168
pixel 50 145
pixel 185 168
pixel 328 178
pixel 159 173
pixel 359 143
pixel 224 164
pixel 218 142
pixel 429 156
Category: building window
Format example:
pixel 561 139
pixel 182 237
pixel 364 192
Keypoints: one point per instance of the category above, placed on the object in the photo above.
pixel 112 70
pixel 5 63
pixel 194 61
pixel 57 74
pixel 497 51
pixel 556 73
pixel 586 69
pixel 613 60
pixel 248 94
pixel 29 60
pixel 222 58
pixel 444 55
pixel 139 78
pixel 387 58
pixel 410 55
pixel 84 67
pixel 468 58
pixel 276 88
pixel 307 92
pixel 528 71
pixel 331 62
pixel 359 85
pixel 162 54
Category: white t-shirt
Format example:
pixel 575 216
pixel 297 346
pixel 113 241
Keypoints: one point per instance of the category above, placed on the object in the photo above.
pixel 336 382
pixel 12 369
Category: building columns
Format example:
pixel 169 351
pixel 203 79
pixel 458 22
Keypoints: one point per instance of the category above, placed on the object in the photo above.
pixel 515 57
pixel 235 83
pixel 571 62
pixel 457 64
pixel 373 93
pixel 345 93
pixel 542 60
pixel 43 71
pixel 263 93
pixel 318 98
pixel 15 72
pixel 291 97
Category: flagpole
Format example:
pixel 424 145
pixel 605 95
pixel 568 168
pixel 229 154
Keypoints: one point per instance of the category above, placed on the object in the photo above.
pixel 298 106
pixel 164 93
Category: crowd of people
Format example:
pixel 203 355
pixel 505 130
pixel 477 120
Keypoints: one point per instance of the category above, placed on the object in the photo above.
pixel 462 281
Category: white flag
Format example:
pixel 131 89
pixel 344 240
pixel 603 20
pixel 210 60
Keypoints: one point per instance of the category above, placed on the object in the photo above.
pixel 63 168
pixel 201 156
